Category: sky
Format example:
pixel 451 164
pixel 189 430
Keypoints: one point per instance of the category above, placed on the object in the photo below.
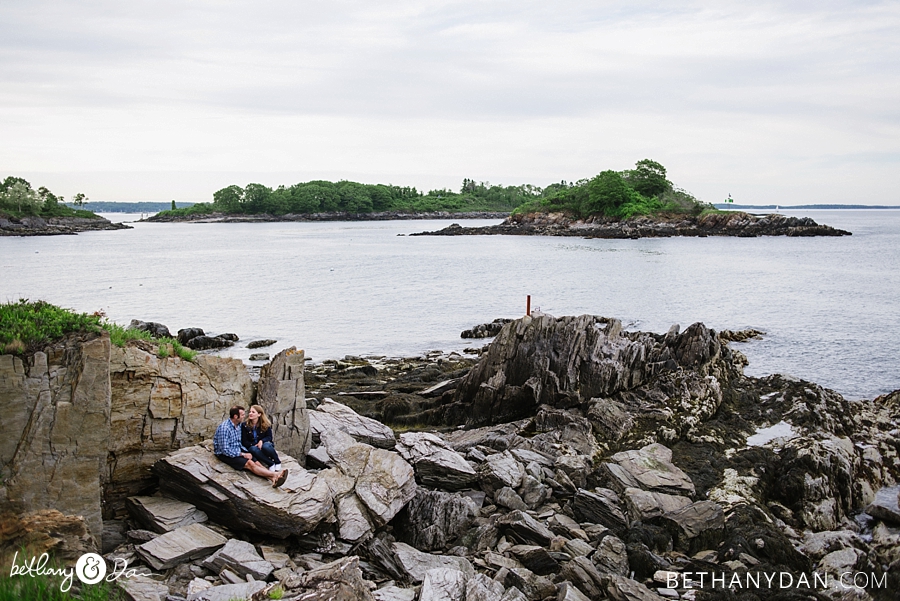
pixel 773 103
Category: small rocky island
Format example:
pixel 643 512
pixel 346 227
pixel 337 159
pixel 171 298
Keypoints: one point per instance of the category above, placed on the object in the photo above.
pixel 740 224
pixel 571 460
pixel 31 225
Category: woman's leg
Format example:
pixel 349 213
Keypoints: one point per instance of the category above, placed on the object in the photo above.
pixel 260 456
pixel 269 449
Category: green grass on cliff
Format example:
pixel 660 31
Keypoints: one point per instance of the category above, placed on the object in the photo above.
pixel 26 327
pixel 47 588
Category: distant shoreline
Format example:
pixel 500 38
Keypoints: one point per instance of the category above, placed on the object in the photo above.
pixel 726 206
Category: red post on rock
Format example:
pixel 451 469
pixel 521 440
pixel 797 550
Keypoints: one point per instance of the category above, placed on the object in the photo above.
pixel 528 306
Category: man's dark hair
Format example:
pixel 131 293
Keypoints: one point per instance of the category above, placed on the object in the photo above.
pixel 236 410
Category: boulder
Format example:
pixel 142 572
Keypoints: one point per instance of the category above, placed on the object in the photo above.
pixel 340 580
pixel 525 529
pixel 691 521
pixel 242 500
pixel 162 515
pixel 621 588
pixel 282 393
pixel 416 564
pixel 600 507
pixel 261 343
pixel 499 470
pixel 331 415
pixel 885 506
pixel 481 588
pixel 186 334
pixel 507 497
pixel 65 537
pixel 535 558
pixel 443 584
pixel 432 519
pixel 395 593
pixel 241 558
pixel 228 592
pixel 584 575
pixel 205 343
pixel 611 556
pixel 568 592
pixel 157 330
pixel 649 468
pixel 180 545
pixel 643 505
pixel 259 357
pixel 143 588
pixel 534 587
pixel 435 462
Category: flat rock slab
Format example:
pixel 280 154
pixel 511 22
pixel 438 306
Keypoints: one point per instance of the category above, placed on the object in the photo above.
pixel 241 558
pixel 228 592
pixel 243 500
pixel 435 462
pixel 885 506
pixel 181 545
pixel 694 519
pixel 525 528
pixel 649 468
pixel 417 564
pixel 162 515
pixel 331 415
pixel 643 505
pixel 443 584
pixel 142 588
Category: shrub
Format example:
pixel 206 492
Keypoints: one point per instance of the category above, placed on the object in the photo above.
pixel 28 326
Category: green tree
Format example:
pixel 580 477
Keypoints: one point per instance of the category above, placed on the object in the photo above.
pixel 50 201
pixel 607 191
pixel 256 198
pixel 173 205
pixel 21 198
pixel 649 178
pixel 79 200
pixel 228 199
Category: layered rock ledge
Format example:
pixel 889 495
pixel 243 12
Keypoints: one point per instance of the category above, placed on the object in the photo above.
pixel 740 224
pixel 55 226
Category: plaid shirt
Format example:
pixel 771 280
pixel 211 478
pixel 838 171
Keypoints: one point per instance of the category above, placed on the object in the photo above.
pixel 227 440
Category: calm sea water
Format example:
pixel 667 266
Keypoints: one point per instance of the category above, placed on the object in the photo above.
pixel 829 306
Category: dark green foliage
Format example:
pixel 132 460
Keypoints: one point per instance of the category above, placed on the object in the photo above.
pixel 648 178
pixel 607 192
pixel 26 327
pixel 19 199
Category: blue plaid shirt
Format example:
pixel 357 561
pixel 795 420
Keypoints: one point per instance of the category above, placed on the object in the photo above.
pixel 227 440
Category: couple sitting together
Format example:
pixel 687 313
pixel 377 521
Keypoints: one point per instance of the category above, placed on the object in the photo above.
pixel 247 444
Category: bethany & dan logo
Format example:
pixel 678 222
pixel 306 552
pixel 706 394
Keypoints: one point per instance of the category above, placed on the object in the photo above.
pixel 90 569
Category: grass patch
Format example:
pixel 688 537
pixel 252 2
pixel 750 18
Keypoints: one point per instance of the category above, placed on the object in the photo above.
pixel 46 588
pixel 27 327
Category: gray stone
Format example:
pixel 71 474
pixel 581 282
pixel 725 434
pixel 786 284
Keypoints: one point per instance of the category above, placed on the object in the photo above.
pixel 259 357
pixel 281 391
pixel 180 545
pixel 435 462
pixel 649 468
pixel 432 519
pixel 142 588
pixel 885 506
pixel 340 580
pixel 611 556
pixel 643 505
pixel 512 593
pixel 331 415
pixel 164 515
pixel 416 563
pixel 600 507
pixel 525 528
pixel 535 558
pixel 626 589
pixel 533 493
pixel 499 470
pixel 584 575
pixel 241 558
pixel 481 588
pixel 534 587
pixel 394 593
pixel 696 518
pixel 228 592
pixel 507 497
pixel 443 584
pixel 567 592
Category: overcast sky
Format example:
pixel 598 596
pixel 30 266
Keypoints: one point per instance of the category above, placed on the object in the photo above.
pixel 788 102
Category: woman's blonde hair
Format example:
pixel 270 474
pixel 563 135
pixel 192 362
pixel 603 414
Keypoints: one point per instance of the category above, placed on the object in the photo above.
pixel 262 422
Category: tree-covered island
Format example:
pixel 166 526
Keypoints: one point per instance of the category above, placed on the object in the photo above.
pixel 643 190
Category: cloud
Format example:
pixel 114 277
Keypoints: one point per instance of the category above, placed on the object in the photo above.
pixel 491 90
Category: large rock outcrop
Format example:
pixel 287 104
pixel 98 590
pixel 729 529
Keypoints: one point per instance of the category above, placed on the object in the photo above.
pixel 282 393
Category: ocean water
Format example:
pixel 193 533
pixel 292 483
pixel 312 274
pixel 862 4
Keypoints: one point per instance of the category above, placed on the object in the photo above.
pixel 829 306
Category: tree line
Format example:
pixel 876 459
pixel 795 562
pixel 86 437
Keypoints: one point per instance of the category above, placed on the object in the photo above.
pixel 18 198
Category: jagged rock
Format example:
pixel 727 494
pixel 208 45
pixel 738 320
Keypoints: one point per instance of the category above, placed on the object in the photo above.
pixel 162 515
pixel 243 500
pixel 499 470
pixel 535 558
pixel 600 507
pixel 157 330
pixel 584 575
pixel 228 592
pixel 436 464
pixel 485 330
pixel 534 587
pixel 649 468
pixel 610 419
pixel 274 556
pixel 885 506
pixel 500 437
pixel 340 580
pixel 261 343
pixel 817 545
pixel 331 415
pixel 643 505
pixel 513 594
pixel 198 585
pixel 113 535
pixel 186 334
pixel 205 343
pixel 66 537
pixel 611 556
pixel 184 544
pixel 282 393
pixel 229 336
pixel 241 558
pixel 695 519
pixel 507 497
pixel 432 519
pixel 578 548
pixel 564 428
pixel 416 564
pixel 576 467
pixel 621 588
pixel 259 357
pixel 481 588
pixel 525 528
pixel 394 593
pixel 567 592
pixel 443 584
pixel 143 588
pixel 533 493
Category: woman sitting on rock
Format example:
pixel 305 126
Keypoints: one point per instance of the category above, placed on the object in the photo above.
pixel 256 437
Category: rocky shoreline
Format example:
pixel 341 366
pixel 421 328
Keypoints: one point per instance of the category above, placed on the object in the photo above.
pixel 569 460
pixel 55 226
pixel 739 224
pixel 338 216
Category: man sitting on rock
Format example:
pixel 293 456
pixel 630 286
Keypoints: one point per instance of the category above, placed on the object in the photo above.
pixel 227 447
